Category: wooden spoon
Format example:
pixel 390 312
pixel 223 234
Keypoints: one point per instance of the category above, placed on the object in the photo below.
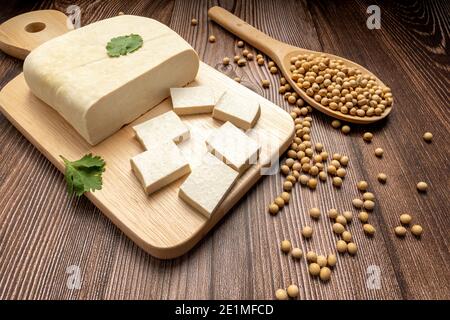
pixel 281 53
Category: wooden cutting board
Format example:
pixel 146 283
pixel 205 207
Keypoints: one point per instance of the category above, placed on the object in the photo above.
pixel 161 224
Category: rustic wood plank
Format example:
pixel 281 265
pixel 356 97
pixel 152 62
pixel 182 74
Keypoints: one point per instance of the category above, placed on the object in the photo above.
pixel 42 231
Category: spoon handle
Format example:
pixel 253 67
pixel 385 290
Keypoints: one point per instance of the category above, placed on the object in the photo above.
pixel 246 32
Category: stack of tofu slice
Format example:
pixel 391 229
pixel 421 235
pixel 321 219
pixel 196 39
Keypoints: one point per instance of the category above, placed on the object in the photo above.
pixel 231 151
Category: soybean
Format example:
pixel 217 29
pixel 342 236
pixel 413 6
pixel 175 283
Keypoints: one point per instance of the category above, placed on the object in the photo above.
pixel 422 186
pixel 369 205
pixel 322 176
pixel 352 248
pixel 285 246
pixel 345 129
pixel 284 169
pixel 368 136
pixel 369 196
pixel 379 152
pixel 303 179
pixel 335 124
pixel 325 274
pixel 322 261
pixel 297 253
pixel 333 213
pixel 341 219
pixel 362 185
pixel 279 202
pixel 341 172
pixel 346 236
pixel 273 209
pixel 369 229
pixel 382 177
pixel 314 213
pixel 307 232
pixel 291 179
pixel 311 256
pixel 405 218
pixel 331 260
pixel 318 147
pixel 337 182
pixel 400 231
pixel 281 294
pixel 363 216
pixel 241 62
pixel 312 183
pixel 335 163
pixel 341 246
pixel 287 186
pixel 314 269
pixel 292 291
pixel 344 160
pixel 338 228
pixel 285 196
pixel 357 203
pixel 417 230
pixel 265 83
pixel 331 170
pixel 428 136
pixel 348 215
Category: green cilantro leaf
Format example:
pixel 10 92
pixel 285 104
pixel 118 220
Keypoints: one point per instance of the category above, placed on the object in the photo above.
pixel 121 46
pixel 84 175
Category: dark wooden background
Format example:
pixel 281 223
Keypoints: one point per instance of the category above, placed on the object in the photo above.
pixel 43 231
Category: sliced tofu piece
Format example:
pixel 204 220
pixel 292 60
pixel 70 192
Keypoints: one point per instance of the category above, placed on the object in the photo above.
pixel 240 111
pixel 98 94
pixel 192 100
pixel 233 146
pixel 208 184
pixel 166 127
pixel 159 166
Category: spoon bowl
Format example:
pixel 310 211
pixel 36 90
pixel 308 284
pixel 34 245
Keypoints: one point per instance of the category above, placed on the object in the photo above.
pixel 281 53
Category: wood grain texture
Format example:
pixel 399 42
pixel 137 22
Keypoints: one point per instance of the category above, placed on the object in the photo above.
pixel 42 231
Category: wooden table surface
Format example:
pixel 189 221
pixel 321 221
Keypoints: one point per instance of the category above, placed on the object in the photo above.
pixel 43 232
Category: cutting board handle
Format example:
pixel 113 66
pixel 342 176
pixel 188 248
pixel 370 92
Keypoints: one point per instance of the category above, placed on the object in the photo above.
pixel 248 33
pixel 21 34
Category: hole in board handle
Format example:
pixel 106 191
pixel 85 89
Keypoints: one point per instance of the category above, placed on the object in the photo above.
pixel 35 27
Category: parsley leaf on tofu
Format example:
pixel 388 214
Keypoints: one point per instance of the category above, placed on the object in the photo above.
pixel 121 46
pixel 84 175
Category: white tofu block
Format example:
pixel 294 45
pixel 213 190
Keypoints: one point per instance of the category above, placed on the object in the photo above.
pixel 233 146
pixel 208 184
pixel 193 100
pixel 165 127
pixel 98 94
pixel 159 166
pixel 240 111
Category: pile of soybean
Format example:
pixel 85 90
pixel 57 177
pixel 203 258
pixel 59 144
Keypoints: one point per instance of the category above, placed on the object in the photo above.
pixel 339 87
